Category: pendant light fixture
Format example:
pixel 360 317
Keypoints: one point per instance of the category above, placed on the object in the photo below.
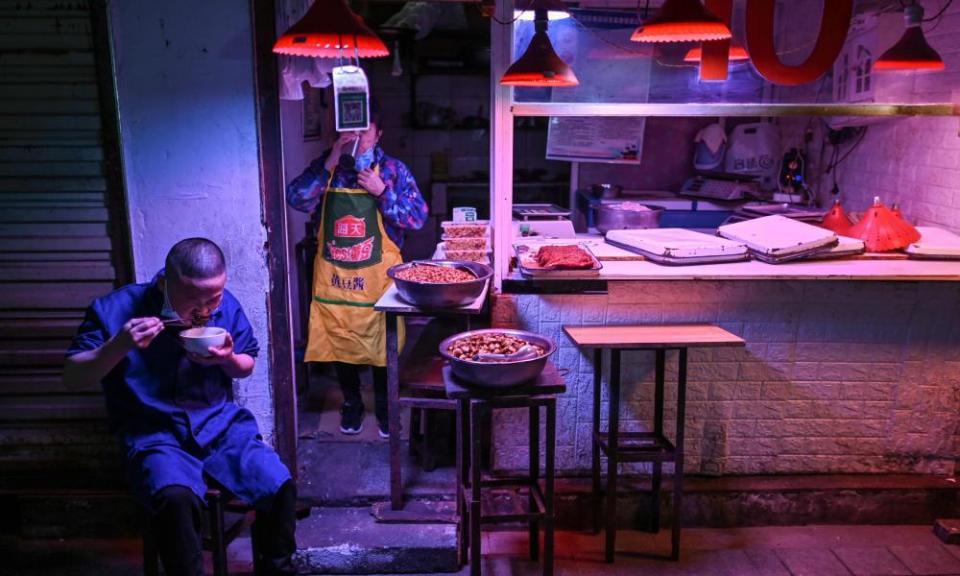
pixel 540 66
pixel 912 52
pixel 737 53
pixel 330 29
pixel 682 21
pixel 526 10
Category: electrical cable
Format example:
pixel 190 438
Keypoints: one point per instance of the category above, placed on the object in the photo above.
pixel 940 13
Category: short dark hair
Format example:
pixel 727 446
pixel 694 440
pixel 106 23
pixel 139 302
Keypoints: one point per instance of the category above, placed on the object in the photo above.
pixel 197 258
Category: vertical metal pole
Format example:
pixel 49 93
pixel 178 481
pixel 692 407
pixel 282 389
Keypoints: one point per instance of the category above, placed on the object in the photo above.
pixel 534 441
pixel 655 482
pixel 612 440
pixel 678 463
pixel 501 140
pixel 393 408
pixel 595 464
pixel 551 463
pixel 463 445
pixel 476 414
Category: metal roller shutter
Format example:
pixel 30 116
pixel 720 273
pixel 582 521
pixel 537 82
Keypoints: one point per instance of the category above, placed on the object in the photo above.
pixel 63 238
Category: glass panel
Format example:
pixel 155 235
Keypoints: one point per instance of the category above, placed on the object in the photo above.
pixel 612 69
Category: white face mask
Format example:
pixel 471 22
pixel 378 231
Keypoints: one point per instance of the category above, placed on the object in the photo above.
pixel 364 159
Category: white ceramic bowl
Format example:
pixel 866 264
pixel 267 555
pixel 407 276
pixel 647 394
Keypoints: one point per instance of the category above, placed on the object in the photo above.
pixel 199 340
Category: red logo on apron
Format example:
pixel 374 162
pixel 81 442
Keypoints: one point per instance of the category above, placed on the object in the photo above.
pixel 350 227
pixel 356 253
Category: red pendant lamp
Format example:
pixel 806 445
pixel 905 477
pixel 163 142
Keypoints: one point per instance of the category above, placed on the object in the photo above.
pixel 912 52
pixel 682 21
pixel 737 53
pixel 540 66
pixel 330 29
pixel 836 220
pixel 882 231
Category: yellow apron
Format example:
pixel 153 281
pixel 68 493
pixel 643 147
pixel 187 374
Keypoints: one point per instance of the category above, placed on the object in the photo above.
pixel 350 275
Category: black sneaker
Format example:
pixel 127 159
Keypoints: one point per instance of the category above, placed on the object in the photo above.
pixel 351 418
pixel 383 428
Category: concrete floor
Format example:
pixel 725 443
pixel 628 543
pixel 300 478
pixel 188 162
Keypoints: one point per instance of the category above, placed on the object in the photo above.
pixel 771 551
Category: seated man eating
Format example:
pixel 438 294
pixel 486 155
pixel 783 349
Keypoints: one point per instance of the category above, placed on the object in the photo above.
pixel 174 412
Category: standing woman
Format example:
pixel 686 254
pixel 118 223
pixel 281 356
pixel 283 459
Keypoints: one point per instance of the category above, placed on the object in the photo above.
pixel 365 210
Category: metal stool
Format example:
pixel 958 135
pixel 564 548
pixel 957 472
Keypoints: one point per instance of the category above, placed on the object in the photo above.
pixel 471 403
pixel 652 446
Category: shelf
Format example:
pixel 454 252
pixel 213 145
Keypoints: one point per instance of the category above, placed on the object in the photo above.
pixel 586 109
pixel 820 270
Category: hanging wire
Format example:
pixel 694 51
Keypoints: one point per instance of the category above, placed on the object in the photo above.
pixel 940 13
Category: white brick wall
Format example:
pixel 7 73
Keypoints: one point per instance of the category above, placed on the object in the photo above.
pixel 836 376
pixel 913 161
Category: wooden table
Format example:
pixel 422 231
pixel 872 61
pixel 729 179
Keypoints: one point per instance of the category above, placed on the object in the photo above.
pixel 652 446
pixel 394 307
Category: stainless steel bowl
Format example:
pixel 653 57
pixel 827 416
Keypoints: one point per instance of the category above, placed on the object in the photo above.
pixel 499 374
pixel 609 217
pixel 441 295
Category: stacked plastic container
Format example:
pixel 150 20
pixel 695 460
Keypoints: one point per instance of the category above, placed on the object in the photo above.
pixel 468 241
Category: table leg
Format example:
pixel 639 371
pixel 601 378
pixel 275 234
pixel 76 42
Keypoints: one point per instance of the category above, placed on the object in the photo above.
pixel 678 462
pixel 393 411
pixel 656 480
pixel 613 425
pixel 534 527
pixel 462 441
pixel 549 472
pixel 475 479
pixel 595 462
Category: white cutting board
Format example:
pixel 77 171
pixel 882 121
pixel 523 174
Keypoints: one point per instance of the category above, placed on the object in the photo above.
pixel 935 242
pixel 677 242
pixel 778 236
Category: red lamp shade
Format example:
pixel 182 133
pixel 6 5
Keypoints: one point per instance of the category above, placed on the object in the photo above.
pixel 328 28
pixel 882 230
pixel 912 51
pixel 682 21
pixel 836 220
pixel 540 65
pixel 737 53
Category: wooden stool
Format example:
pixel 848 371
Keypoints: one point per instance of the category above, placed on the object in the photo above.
pixel 216 541
pixel 652 446
pixel 471 403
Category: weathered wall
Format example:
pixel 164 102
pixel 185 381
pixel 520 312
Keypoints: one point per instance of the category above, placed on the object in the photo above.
pixel 836 377
pixel 186 96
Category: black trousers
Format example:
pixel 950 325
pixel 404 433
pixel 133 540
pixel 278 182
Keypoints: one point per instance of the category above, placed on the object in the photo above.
pixel 349 377
pixel 176 522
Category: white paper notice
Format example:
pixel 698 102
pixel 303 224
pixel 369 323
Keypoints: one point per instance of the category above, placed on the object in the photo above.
pixel 610 69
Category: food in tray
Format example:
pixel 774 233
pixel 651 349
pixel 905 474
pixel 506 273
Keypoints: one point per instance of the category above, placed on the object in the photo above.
pixel 630 207
pixel 481 256
pixel 426 274
pixel 471 347
pixel 570 256
pixel 456 243
pixel 465 229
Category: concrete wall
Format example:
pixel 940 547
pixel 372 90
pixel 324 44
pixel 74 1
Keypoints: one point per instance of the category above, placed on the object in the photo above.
pixel 186 97
pixel 836 377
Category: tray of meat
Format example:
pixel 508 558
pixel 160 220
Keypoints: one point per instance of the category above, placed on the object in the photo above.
pixel 553 260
